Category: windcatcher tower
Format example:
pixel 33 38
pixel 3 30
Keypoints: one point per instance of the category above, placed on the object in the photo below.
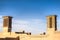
pixel 7 23
pixel 51 23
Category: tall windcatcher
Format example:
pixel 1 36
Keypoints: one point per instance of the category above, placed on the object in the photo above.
pixel 51 23
pixel 7 23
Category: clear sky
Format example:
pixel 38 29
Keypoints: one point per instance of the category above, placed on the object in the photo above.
pixel 29 15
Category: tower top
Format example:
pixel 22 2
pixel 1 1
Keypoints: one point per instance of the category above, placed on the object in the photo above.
pixel 7 17
pixel 51 15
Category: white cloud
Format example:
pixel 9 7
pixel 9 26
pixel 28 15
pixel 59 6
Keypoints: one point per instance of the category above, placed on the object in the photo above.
pixel 58 24
pixel 33 25
pixel 1 22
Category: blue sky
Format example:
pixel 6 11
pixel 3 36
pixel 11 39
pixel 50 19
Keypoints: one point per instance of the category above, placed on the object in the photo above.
pixel 29 15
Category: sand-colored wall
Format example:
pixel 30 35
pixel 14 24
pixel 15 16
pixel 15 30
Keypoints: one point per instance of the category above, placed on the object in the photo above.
pixel 54 36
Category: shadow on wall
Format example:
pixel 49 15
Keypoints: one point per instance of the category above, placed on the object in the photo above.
pixel 8 38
